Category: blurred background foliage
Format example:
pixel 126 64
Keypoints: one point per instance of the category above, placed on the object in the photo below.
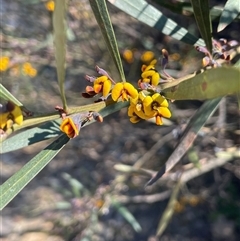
pixel 91 190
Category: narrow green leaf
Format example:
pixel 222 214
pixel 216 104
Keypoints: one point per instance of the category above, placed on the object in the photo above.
pixel 100 11
pixel 10 188
pixel 168 212
pixel 151 16
pixel 210 84
pixel 189 135
pixel 59 35
pixel 26 138
pixel 51 128
pixel 202 16
pixel 230 12
pixel 127 215
pixel 6 95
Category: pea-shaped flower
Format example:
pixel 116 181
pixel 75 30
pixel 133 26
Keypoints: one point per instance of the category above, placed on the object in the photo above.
pixel 124 91
pixel 102 84
pixel 71 126
pixel 156 106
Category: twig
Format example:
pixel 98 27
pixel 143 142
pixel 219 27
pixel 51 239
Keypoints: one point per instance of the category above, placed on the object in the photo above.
pixel 145 198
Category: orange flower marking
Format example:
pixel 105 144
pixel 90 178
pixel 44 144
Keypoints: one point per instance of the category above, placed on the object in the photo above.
pixel 124 91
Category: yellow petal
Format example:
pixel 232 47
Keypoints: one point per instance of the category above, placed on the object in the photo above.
pixel 147 106
pixel 141 114
pixel 117 91
pixel 134 119
pixel 17 115
pixel 100 80
pixel 107 85
pixel 165 112
pixel 159 121
pixel 155 79
pixel 69 127
pixel 131 91
pixel 153 62
pixel 160 100
pixel 3 119
pixel 148 73
pixel 131 110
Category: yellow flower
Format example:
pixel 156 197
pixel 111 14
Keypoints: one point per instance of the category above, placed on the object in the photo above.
pixel 136 114
pixel 71 126
pixel 32 72
pixel 102 84
pixel 156 106
pixel 150 74
pixel 4 63
pixel 128 55
pixel 9 114
pixel 134 118
pixel 29 70
pixel 147 56
pixel 124 91
pixel 50 6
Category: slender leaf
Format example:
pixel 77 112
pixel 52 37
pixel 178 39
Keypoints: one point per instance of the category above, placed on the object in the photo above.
pixel 59 35
pixel 202 16
pixel 127 215
pixel 51 128
pixel 189 135
pixel 6 95
pixel 10 188
pixel 168 212
pixel 26 138
pixel 151 16
pixel 100 11
pixel 230 12
pixel 210 84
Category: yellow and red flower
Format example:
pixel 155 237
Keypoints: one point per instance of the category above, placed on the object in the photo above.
pixel 157 106
pixel 71 126
pixel 124 91
pixel 9 114
pixel 149 74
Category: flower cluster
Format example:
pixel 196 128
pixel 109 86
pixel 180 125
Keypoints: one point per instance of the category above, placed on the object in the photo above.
pixel 4 63
pixel 145 102
pixel 10 114
pixel 29 70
